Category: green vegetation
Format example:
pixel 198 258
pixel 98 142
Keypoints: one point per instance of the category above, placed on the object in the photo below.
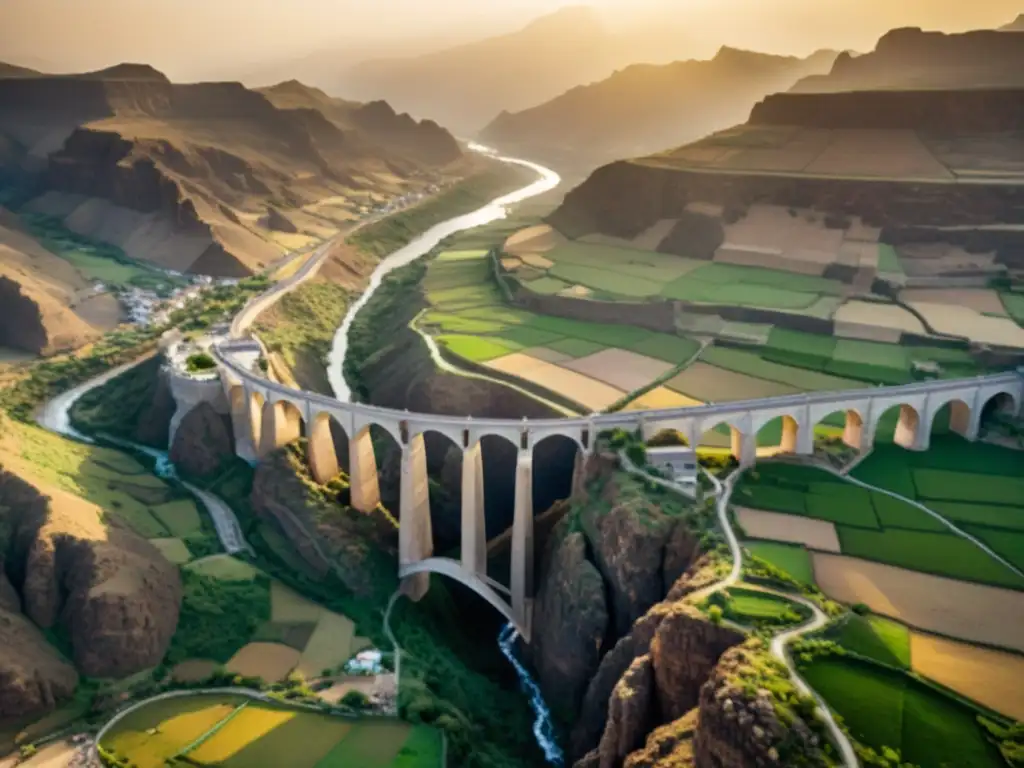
pixel 391 233
pixel 121 405
pixel 792 559
pixel 874 637
pixel 300 327
pixel 760 610
pixel 749 363
pixel 875 526
pixel 97 261
pixel 889 260
pixel 887 709
pixel 218 616
pixel 200 362
pixel 48 378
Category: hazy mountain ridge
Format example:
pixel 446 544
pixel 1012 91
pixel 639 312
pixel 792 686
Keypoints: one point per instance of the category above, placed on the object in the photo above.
pixel 184 173
pixel 1017 25
pixel 465 86
pixel 912 59
pixel 647 107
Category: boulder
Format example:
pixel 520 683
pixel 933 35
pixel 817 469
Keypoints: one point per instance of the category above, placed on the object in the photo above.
pixel 203 441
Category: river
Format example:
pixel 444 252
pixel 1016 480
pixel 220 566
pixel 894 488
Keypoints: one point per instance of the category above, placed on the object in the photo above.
pixel 494 210
pixel 543 728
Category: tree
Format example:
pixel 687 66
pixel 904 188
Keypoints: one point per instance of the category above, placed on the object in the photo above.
pixel 715 614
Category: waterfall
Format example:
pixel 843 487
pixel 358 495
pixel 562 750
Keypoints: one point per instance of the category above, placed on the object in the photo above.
pixel 543 726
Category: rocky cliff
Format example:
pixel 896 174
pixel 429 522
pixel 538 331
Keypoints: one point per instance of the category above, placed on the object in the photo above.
pixel 174 174
pixel 107 590
pixel 640 677
pixel 202 442
pixel 977 110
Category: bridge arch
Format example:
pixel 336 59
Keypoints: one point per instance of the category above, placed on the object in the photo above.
pixel 453 569
pixel 281 423
pixel 845 423
pixel 557 468
pixel 717 437
pixel 901 424
pixel 951 412
pixel 327 446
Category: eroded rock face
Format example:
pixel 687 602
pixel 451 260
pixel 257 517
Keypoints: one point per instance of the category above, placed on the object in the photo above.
pixel 629 547
pixel 328 535
pixel 203 441
pixel 116 597
pixel 737 730
pixel 631 714
pixel 685 650
pixel 571 619
pixel 34 678
pixel 670 746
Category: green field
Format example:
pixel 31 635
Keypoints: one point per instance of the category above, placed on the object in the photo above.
pixel 793 559
pixel 233 732
pixel 885 708
pixel 97 261
pixel 742 361
pixel 875 526
pixel 875 637
pixel 758 609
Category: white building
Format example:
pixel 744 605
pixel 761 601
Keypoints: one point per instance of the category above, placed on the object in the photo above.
pixel 677 461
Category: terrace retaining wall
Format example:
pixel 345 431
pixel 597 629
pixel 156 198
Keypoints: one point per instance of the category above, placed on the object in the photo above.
pixel 653 315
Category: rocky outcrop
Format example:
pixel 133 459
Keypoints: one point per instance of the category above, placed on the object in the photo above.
pixel 34 679
pixel 278 222
pixel 670 746
pixel 203 441
pixel 328 534
pixel 631 712
pixel 153 423
pixel 684 652
pixel 33 320
pixel 743 723
pixel 109 591
pixel 573 621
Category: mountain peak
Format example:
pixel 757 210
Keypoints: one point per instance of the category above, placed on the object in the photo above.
pixel 126 71
pixel 572 19
pixel 1017 25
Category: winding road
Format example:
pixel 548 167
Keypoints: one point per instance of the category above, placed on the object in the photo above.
pixel 723 491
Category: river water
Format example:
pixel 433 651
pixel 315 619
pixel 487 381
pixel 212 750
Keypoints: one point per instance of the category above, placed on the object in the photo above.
pixel 494 210
pixel 543 727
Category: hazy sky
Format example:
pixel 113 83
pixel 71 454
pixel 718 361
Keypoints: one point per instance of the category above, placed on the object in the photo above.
pixel 193 39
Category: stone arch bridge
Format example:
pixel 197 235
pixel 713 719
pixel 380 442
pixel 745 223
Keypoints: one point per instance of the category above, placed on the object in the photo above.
pixel 267 415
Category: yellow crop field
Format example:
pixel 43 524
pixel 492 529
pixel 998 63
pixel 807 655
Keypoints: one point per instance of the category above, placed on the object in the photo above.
pixel 988 676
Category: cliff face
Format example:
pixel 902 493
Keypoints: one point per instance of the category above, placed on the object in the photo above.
pixel 203 441
pixel 168 172
pixel 603 569
pixel 948 111
pixel 110 591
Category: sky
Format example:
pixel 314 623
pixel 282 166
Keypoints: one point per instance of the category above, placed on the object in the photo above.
pixel 197 39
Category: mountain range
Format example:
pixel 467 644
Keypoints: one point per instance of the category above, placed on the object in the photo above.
pixel 647 107
pixel 913 59
pixel 466 86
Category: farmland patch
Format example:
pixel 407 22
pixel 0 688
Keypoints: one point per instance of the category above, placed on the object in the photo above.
pixel 709 383
pixel 988 676
pixel 590 393
pixel 875 637
pixel 776 526
pixel 973 612
pixel 793 560
pixel 623 370
pixel 173 549
pixel 270 661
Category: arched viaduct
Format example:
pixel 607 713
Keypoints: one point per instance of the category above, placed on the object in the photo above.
pixel 267 415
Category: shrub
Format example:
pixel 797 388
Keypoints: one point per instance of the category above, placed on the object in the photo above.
pixel 715 614
pixel 199 362
pixel 860 609
pixel 355 700
pixel 637 454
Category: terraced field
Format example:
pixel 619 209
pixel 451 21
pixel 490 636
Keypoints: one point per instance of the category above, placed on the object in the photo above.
pixel 232 731
pixel 871 525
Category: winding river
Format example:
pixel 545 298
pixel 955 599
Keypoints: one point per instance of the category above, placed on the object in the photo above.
pixel 494 210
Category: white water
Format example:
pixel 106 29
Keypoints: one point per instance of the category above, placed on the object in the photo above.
pixel 493 211
pixel 543 727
